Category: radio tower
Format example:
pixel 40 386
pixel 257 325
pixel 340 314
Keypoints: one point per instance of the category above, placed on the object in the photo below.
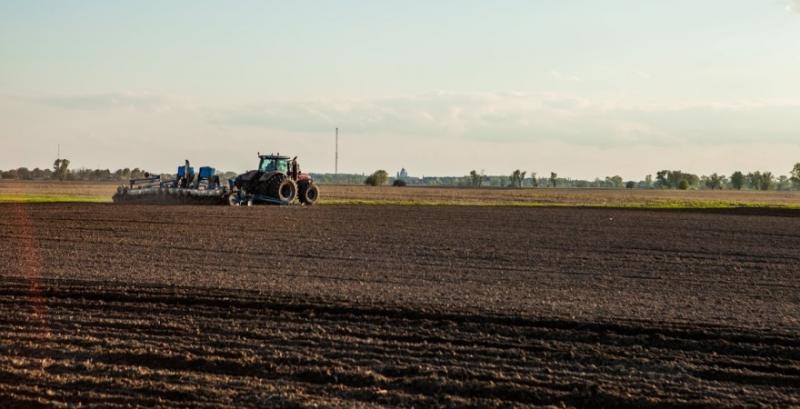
pixel 336 154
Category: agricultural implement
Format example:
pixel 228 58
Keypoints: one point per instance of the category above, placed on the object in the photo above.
pixel 277 180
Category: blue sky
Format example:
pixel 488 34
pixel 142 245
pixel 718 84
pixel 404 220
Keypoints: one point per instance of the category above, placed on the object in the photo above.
pixel 584 88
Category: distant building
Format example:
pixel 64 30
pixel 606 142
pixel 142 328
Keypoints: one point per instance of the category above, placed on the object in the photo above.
pixel 411 180
pixel 402 175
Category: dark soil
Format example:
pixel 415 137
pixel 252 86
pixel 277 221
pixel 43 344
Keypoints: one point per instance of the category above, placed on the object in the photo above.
pixel 190 306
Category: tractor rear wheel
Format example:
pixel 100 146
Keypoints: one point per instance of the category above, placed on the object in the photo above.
pixel 282 188
pixel 309 193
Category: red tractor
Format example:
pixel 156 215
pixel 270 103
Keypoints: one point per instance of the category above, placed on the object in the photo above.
pixel 277 180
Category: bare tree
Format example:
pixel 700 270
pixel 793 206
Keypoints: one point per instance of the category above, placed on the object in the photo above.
pixel 517 177
pixel 476 180
pixel 60 169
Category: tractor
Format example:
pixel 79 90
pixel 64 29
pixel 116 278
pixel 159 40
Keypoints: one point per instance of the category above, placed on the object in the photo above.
pixel 277 180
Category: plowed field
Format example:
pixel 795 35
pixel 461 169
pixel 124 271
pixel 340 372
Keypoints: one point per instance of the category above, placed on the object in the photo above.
pixel 104 305
pixel 72 191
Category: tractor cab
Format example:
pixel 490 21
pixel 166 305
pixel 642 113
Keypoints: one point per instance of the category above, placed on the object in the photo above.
pixel 283 164
pixel 274 163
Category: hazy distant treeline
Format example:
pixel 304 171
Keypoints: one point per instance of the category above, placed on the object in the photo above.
pixel 664 179
pixel 72 174
pixel 61 171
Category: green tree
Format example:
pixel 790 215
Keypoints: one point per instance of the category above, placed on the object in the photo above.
pixel 662 180
pixel 630 184
pixel 795 176
pixel 671 179
pixel 714 181
pixel 753 179
pixel 553 179
pixel 766 181
pixel 737 180
pixel 137 173
pixel 683 184
pixel 784 183
pixel 377 178
pixel 760 180
pixel 534 181
pixel 614 181
pixel 39 174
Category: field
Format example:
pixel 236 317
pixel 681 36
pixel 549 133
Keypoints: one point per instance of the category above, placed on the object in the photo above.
pixel 46 192
pixel 53 192
pixel 425 306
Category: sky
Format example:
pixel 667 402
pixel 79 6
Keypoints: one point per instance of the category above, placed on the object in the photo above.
pixel 584 88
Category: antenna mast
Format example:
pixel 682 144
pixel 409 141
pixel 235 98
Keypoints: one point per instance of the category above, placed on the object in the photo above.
pixel 336 155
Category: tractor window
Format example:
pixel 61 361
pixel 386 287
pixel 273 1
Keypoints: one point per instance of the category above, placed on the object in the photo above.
pixel 271 165
pixel 267 165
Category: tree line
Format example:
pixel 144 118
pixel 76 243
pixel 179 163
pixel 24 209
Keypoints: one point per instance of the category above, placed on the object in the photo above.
pixel 664 179
pixel 61 171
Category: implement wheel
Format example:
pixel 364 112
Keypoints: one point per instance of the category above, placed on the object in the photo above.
pixel 234 199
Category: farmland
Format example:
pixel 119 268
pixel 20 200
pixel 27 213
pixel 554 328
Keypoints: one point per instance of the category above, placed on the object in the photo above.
pixel 47 191
pixel 37 191
pixel 466 306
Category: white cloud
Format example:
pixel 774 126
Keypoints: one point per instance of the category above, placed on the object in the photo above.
pixel 503 117
pixel 113 100
pixel 564 76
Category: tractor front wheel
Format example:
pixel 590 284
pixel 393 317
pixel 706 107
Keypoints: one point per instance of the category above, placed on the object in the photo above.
pixel 309 193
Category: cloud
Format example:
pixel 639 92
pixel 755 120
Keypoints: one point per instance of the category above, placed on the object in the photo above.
pixel 497 117
pixel 116 100
pixel 521 117
pixel 793 6
pixel 501 115
pixel 564 76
